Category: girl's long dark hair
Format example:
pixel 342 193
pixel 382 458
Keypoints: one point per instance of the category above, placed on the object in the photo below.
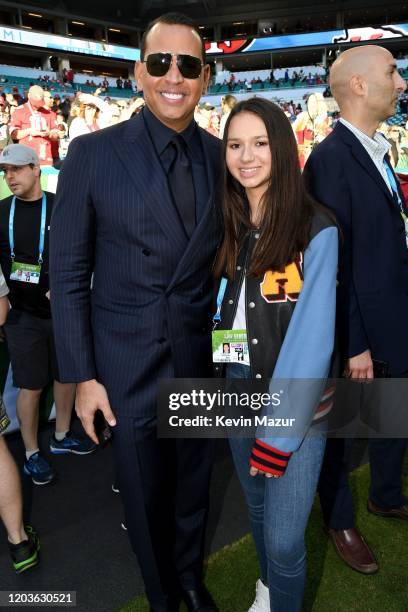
pixel 286 207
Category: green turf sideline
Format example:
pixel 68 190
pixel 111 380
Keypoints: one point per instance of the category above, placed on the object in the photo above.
pixel 231 573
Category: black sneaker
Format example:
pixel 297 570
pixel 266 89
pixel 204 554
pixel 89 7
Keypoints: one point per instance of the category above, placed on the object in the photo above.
pixel 25 554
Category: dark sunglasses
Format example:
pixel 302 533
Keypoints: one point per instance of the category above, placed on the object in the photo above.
pixel 158 64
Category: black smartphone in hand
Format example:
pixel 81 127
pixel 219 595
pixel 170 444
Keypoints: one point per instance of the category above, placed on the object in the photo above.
pixel 380 368
pixel 102 429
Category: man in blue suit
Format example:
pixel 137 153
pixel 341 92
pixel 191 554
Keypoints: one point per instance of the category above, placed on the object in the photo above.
pixel 350 173
pixel 134 209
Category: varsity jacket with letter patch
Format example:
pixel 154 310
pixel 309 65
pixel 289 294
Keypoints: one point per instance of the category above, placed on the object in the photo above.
pixel 290 319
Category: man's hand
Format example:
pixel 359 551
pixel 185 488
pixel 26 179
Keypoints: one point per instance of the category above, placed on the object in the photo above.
pixel 53 134
pixel 360 366
pixel 90 397
pixel 34 132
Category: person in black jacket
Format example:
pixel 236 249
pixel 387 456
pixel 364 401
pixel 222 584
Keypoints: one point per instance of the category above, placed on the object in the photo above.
pixel 350 172
pixel 24 228
pixel 278 261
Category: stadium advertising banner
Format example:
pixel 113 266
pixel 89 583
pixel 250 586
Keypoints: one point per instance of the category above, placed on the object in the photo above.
pixel 68 44
pixel 313 39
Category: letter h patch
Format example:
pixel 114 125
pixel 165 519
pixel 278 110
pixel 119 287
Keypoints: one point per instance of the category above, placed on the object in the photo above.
pixel 283 286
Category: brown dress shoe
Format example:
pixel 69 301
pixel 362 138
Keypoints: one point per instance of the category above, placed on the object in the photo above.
pixel 401 513
pixel 353 550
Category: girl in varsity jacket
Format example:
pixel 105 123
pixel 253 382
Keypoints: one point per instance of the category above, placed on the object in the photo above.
pixel 278 263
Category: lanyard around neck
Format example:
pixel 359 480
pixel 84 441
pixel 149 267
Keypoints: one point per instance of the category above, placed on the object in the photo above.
pixel 393 185
pixel 220 297
pixel 42 229
pixel 33 111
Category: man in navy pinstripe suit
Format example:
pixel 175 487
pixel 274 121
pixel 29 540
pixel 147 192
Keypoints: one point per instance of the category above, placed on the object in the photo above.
pixel 121 216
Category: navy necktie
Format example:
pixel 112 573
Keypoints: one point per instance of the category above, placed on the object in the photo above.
pixel 181 184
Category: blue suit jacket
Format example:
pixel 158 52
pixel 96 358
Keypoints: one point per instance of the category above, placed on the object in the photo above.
pixel 373 260
pixel 147 314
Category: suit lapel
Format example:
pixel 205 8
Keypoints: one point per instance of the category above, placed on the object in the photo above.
pixel 362 157
pixel 139 157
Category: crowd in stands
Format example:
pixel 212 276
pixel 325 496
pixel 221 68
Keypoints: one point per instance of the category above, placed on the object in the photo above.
pixel 80 113
pixel 86 106
pixel 73 115
pixel 278 78
pixel 274 80
pixel 66 83
pixel 306 76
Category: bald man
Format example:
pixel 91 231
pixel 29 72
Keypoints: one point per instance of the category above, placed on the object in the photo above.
pixel 34 126
pixel 350 172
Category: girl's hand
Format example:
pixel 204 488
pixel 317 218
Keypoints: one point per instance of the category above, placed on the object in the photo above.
pixel 254 472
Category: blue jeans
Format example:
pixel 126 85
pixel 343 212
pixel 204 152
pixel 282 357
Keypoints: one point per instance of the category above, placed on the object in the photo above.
pixel 279 510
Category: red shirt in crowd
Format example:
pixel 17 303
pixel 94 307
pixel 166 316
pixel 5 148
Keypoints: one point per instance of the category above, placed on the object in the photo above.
pixel 41 119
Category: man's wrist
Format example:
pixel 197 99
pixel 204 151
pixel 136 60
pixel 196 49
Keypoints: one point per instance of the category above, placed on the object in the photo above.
pixel 86 383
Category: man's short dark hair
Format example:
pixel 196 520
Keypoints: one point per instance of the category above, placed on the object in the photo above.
pixel 171 19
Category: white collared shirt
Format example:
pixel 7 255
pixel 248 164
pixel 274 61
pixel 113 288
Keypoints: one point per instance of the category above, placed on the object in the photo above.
pixel 376 147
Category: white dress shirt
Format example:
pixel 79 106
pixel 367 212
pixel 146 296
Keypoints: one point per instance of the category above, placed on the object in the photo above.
pixel 377 147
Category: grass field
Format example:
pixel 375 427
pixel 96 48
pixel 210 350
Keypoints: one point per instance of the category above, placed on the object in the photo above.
pixel 232 572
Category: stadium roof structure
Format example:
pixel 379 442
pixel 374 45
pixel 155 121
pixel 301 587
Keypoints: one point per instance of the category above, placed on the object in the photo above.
pixel 206 10
pixel 138 13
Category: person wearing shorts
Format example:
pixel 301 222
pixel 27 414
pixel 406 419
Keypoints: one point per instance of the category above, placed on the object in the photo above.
pixel 22 539
pixel 24 228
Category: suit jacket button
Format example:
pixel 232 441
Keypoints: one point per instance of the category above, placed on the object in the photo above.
pixel 230 301
pixel 254 340
pixel 258 375
pixel 146 252
pixel 251 304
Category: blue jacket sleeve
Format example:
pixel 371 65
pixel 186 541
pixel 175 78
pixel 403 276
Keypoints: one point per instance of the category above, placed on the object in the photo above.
pixel 307 349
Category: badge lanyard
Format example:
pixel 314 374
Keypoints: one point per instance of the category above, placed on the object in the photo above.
pixel 394 188
pixel 37 123
pixel 228 345
pixel 393 185
pixel 220 297
pixel 42 229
